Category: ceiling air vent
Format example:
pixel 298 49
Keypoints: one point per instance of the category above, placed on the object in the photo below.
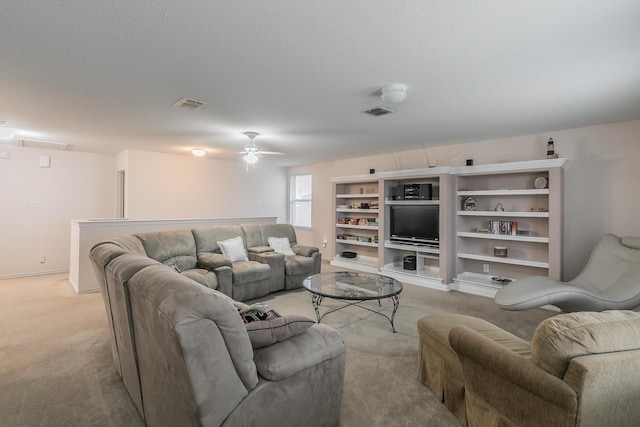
pixel 189 103
pixel 379 111
pixel 42 144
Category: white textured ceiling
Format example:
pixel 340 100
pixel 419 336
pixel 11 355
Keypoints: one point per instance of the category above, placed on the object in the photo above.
pixel 102 76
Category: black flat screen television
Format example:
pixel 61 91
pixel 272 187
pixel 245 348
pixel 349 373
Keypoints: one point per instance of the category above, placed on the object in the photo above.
pixel 415 224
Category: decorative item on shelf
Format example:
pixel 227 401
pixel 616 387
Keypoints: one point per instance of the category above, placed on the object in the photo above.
pixel 541 182
pixel 348 254
pixel 373 205
pixel 500 251
pixel 482 230
pixel 503 227
pixel 353 221
pixel 343 220
pixel 469 204
pixel 363 221
pixel 343 206
pixel 538 210
pixel 551 152
pixel 364 205
pixel 355 206
pixel 361 190
pixel 499 207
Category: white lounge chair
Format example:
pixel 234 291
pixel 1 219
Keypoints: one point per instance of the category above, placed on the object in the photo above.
pixel 609 281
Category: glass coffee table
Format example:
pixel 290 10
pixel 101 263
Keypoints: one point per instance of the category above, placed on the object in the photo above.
pixel 353 289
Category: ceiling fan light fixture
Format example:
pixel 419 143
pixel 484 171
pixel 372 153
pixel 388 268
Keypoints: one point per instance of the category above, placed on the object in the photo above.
pixel 394 93
pixel 6 132
pixel 251 157
pixel 198 152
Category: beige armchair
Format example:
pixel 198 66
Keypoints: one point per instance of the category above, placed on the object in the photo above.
pixel 584 370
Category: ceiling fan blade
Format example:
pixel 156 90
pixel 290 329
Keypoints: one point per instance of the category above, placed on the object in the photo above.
pixel 276 153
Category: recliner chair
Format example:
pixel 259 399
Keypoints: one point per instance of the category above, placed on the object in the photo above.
pixel 609 281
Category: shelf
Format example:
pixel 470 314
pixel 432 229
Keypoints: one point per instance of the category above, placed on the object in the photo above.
pixel 414 248
pixel 357 210
pixel 357 196
pixel 412 202
pixel 359 227
pixel 492 236
pixel 431 273
pixel 357 243
pixel 507 260
pixel 521 192
pixel 477 279
pixel 504 214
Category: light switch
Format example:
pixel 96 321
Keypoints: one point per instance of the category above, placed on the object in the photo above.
pixel 45 161
pixel 4 154
pixel 34 204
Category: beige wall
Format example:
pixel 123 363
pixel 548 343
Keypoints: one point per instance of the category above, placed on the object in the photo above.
pixel 75 185
pixel 601 180
pixel 164 186
pixel 82 185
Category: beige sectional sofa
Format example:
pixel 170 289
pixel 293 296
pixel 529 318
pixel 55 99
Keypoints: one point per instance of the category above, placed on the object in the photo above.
pixel 196 254
pixel 186 357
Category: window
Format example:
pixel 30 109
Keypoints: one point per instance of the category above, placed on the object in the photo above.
pixel 300 200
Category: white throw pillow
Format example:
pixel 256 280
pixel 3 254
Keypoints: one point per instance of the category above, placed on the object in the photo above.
pixel 280 245
pixel 233 249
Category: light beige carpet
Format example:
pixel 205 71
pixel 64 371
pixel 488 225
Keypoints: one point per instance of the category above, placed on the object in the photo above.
pixel 56 367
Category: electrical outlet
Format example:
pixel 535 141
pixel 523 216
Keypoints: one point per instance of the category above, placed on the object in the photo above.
pixel 485 268
pixel 324 244
pixel 42 257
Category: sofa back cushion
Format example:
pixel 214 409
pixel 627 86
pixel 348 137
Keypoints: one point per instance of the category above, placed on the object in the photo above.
pixel 278 230
pixel 207 238
pixel 174 248
pixel 252 235
pixel 559 339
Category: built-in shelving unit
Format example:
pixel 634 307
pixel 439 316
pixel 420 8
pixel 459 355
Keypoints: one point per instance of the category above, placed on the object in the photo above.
pixel 509 215
pixel 357 219
pixel 511 210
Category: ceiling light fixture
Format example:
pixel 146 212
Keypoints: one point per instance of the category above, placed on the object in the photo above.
pixel 251 157
pixel 198 152
pixel 6 132
pixel 394 93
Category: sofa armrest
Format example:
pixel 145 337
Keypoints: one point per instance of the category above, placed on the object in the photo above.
pixel 259 249
pixel 211 261
pixel 274 259
pixel 502 385
pixel 304 250
pixel 310 348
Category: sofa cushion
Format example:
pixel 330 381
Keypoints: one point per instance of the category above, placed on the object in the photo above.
pixel 267 332
pixel 280 245
pixel 298 264
pixel 233 249
pixel 561 338
pixel 250 271
pixel 310 348
pixel 171 247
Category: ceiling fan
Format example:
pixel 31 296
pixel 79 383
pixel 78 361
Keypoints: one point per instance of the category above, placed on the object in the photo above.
pixel 251 152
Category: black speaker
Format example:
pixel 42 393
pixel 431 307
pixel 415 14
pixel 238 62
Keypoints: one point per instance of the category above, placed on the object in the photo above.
pixel 409 262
